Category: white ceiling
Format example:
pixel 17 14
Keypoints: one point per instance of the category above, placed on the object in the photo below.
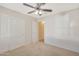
pixel 56 7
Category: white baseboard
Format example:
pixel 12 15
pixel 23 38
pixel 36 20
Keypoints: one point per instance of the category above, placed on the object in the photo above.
pixel 62 47
pixel 2 52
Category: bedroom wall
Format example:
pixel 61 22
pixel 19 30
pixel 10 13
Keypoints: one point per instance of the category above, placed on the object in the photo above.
pixel 34 31
pixel 15 29
pixel 62 30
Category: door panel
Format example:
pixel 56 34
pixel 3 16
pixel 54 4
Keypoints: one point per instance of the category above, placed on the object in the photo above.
pixel 41 31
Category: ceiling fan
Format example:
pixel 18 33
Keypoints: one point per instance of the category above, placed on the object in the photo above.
pixel 37 9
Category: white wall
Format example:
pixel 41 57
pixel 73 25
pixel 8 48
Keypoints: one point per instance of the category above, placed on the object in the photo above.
pixel 15 29
pixel 34 31
pixel 62 30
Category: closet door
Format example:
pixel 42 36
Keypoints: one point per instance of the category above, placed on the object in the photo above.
pixel 17 32
pixel 4 33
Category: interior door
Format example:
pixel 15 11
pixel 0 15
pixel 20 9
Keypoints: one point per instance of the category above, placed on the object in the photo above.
pixel 41 31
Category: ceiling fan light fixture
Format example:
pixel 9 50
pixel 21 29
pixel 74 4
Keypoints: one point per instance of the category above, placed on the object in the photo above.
pixel 38 12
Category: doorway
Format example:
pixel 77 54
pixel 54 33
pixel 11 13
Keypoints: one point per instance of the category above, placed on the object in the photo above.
pixel 41 31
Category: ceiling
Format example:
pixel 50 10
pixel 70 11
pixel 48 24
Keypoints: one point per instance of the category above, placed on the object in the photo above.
pixel 56 7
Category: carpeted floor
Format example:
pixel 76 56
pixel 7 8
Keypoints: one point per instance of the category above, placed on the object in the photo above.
pixel 40 49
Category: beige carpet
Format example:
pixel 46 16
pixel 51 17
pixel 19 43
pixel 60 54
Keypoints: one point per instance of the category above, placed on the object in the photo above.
pixel 40 49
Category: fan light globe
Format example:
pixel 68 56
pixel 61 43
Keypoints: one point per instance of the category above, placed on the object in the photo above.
pixel 38 12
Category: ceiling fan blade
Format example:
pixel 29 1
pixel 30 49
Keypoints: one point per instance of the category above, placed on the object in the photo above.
pixel 28 5
pixel 47 10
pixel 39 5
pixel 31 12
